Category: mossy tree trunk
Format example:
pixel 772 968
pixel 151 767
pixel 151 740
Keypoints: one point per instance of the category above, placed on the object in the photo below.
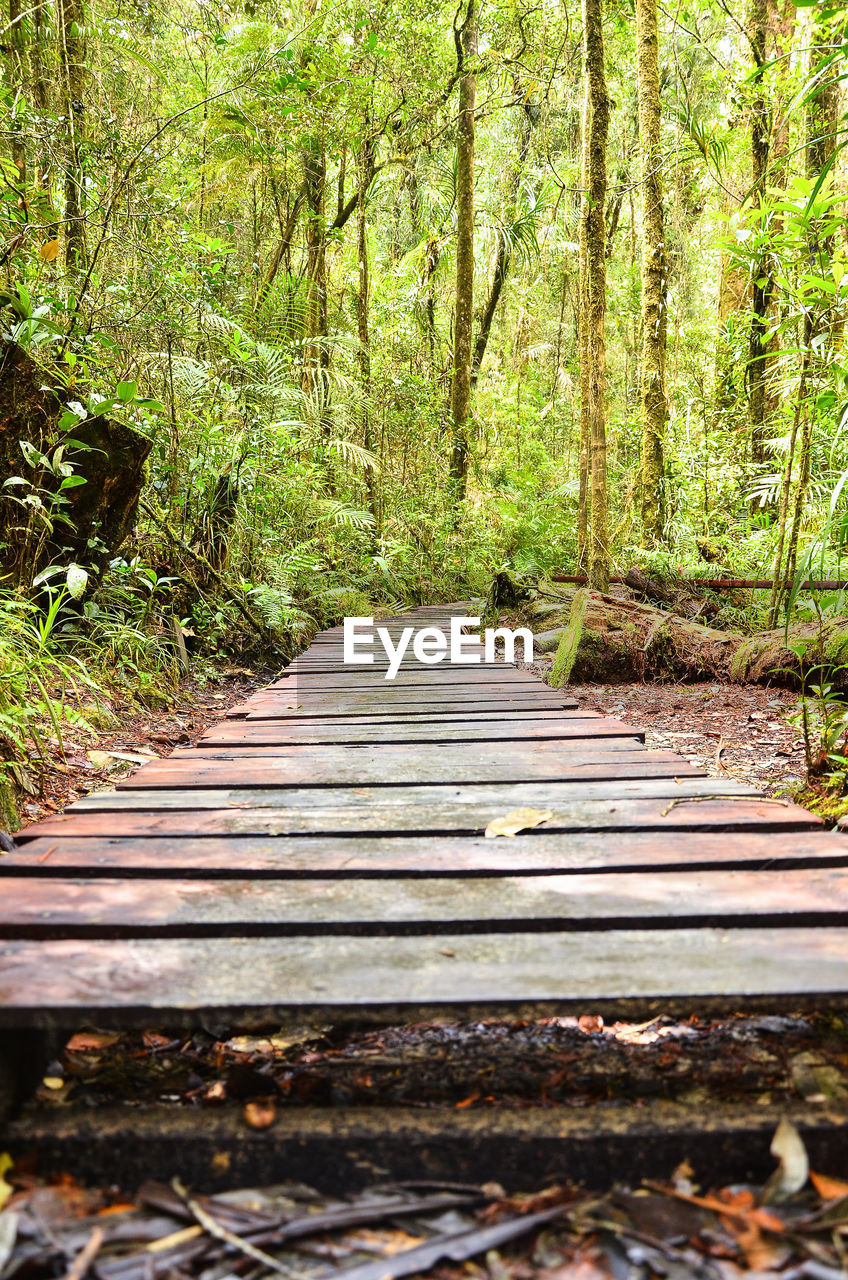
pixel 596 287
pixel 652 395
pixel 71 17
pixel 583 337
pixel 762 285
pixel 363 302
pixel 316 356
pixel 464 304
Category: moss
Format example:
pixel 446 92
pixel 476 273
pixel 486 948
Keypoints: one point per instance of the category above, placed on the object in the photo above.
pixel 9 816
pixel 835 646
pixel 569 641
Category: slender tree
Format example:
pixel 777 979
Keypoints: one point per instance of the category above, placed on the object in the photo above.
pixel 583 335
pixel 503 259
pixel 74 76
pixel 464 305
pixel 652 396
pixel 762 284
pixel 596 287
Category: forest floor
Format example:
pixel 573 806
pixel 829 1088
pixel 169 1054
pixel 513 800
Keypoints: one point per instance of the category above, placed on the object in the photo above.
pixel 672 1230
pixel 123 735
pixel 741 731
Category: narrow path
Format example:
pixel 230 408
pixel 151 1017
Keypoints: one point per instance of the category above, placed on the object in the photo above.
pixel 322 851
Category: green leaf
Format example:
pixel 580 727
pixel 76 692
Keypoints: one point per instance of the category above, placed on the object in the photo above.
pixel 72 482
pixel 126 391
pixel 77 581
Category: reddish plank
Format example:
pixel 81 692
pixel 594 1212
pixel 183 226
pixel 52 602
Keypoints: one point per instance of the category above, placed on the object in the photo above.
pixel 542 851
pixel 105 908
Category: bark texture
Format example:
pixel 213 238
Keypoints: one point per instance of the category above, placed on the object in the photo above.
pixel 596 287
pixel 464 306
pixel 652 395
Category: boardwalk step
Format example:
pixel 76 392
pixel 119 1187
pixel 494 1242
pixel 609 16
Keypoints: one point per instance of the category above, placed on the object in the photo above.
pixel 261 981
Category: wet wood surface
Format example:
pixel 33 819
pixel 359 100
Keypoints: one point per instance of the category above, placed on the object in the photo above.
pixel 323 849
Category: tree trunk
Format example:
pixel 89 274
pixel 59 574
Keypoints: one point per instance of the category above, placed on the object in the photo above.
pixel 596 280
pixel 503 260
pixel 71 18
pixel 583 336
pixel 652 390
pixel 464 309
pixel 366 173
pixel 315 352
pixel 823 108
pixel 17 74
pixel 761 283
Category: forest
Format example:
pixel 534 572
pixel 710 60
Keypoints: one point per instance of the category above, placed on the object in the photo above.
pixel 318 309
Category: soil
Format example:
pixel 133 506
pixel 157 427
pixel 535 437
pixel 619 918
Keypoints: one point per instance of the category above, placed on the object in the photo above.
pixel 558 1062
pixel 78 765
pixel 737 731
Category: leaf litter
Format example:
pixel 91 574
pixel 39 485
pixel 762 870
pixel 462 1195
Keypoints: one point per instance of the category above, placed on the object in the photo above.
pixel 673 1230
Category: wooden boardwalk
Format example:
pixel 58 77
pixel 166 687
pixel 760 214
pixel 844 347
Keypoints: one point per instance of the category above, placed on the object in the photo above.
pixel 322 852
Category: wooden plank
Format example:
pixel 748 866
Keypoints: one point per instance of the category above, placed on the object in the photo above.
pixel 172 981
pixel 254 738
pixel 408 677
pixel 471 715
pixel 543 851
pixel 306 708
pixel 113 908
pixel 378 766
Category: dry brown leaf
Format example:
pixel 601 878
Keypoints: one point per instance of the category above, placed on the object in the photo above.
pixel 49 251
pixel 87 1040
pixel 828 1188
pixel 517 820
pixel 260 1115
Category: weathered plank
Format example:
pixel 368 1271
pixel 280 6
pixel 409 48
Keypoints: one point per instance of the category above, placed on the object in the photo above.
pixel 173 981
pixel 543 851
pixel 390 695
pixel 398 800
pixel 319 766
pixel 252 737
pixel 375 707
pixel 113 908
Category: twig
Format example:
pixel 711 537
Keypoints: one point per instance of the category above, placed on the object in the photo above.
pixel 704 799
pixel 46 855
pixel 215 1229
pixel 86 1255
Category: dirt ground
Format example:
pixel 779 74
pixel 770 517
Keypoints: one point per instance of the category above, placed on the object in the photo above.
pixel 733 730
pixel 124 735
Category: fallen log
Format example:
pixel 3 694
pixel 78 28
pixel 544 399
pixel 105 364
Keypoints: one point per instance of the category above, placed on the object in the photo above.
pixel 718 584
pixel 624 640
